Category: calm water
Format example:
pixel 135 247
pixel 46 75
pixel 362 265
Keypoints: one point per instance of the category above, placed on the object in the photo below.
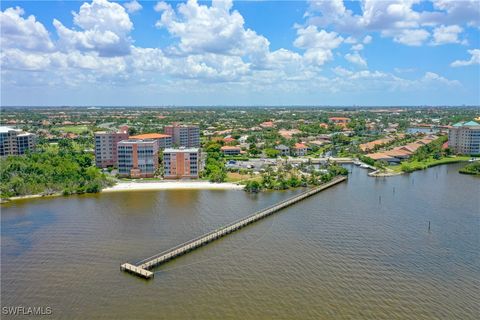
pixel 360 250
pixel 421 130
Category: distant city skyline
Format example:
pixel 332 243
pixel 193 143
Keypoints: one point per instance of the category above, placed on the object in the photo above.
pixel 246 53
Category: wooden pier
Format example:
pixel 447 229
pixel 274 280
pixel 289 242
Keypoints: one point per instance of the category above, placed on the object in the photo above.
pixel 141 268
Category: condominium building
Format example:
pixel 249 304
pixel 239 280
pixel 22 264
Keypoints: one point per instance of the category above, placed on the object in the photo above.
pixel 181 163
pixel 106 147
pixel 187 136
pixel 164 140
pixel 464 138
pixel 137 158
pixel 15 141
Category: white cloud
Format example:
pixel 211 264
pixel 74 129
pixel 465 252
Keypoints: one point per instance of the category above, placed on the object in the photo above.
pixel 357 47
pixel 213 51
pixel 367 39
pixel 318 44
pixel 215 29
pixel 474 59
pixel 433 77
pixel 404 70
pixel 355 58
pixel 105 25
pixel 26 34
pixel 398 19
pixel 458 12
pixel 132 6
pixel 415 37
pixel 446 34
pixel 350 40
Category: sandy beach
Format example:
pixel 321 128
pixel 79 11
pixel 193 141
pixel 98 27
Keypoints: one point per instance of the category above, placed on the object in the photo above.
pixel 172 185
pixel 144 186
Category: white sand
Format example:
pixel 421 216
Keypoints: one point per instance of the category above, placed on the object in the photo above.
pixel 172 185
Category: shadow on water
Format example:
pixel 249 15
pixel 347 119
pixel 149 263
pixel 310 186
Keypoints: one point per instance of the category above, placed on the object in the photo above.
pixel 18 230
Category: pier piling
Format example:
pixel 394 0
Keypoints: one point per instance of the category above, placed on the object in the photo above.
pixel 141 268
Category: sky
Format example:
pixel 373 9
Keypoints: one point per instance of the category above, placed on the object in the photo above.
pixel 240 53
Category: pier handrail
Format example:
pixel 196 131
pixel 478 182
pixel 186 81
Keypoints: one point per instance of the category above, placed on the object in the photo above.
pixel 257 213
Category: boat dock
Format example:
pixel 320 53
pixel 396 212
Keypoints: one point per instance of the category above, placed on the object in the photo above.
pixel 141 268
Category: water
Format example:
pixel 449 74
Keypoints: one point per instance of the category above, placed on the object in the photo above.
pixel 359 250
pixel 422 130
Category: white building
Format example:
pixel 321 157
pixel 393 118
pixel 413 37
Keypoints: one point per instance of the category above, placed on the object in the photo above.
pixel 15 141
pixel 464 138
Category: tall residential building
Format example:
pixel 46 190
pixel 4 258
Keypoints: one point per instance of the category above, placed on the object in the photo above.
pixel 15 142
pixel 164 140
pixel 464 137
pixel 137 158
pixel 187 136
pixel 181 163
pixel 106 147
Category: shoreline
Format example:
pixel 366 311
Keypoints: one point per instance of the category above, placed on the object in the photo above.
pixel 143 186
pixel 172 185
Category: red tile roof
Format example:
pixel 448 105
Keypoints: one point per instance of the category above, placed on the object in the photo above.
pixel 300 146
pixel 229 148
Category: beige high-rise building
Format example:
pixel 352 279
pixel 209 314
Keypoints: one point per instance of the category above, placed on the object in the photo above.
pixel 464 138
pixel 181 163
pixel 106 147
pixel 187 136
pixel 137 158
pixel 15 142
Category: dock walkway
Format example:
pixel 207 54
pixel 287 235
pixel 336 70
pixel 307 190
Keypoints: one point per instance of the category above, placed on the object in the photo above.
pixel 141 268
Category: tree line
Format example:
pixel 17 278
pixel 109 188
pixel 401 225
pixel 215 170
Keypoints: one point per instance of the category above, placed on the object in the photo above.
pixel 50 170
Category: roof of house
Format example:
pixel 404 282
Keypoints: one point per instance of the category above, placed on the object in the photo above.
pixel 338 118
pixel 230 148
pixel 370 145
pixel 397 153
pixel 267 124
pixel 411 146
pixel 281 147
pixel 300 146
pixel 150 136
pixel 379 156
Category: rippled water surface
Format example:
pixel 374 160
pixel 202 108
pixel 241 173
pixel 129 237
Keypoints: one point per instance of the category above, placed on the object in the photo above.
pixel 360 250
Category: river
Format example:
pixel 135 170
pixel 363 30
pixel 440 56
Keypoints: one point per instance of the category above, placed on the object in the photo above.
pixel 359 250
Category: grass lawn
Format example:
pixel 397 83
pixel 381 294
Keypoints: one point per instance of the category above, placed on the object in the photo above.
pixel 236 177
pixel 73 129
pixel 420 165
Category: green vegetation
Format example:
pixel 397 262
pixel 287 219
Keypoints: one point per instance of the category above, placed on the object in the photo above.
pixel 289 177
pixel 410 166
pixel 72 129
pixel 430 155
pixel 431 150
pixel 271 153
pixel 50 171
pixel 215 165
pixel 472 168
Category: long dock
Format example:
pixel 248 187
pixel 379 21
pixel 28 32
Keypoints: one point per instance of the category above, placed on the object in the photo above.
pixel 141 268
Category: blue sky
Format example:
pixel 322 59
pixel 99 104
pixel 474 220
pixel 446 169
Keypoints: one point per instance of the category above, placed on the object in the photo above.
pixel 369 52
